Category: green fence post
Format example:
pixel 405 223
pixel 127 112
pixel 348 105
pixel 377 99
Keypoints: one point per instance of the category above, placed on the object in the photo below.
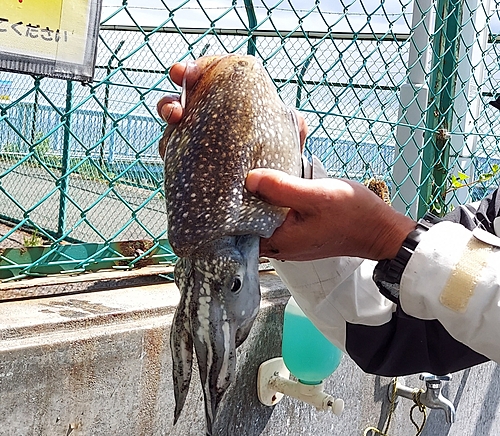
pixel 435 159
pixel 105 112
pixel 63 188
pixel 300 81
pixel 35 109
pixel 468 106
pixel 252 24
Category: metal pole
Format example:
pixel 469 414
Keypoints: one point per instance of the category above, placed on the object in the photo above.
pixel 436 155
pixel 204 50
pixel 300 81
pixel 468 103
pixel 413 102
pixel 252 24
pixel 63 187
pixel 106 102
pixel 35 109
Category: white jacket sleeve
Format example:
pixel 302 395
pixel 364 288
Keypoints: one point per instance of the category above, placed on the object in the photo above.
pixel 454 277
pixel 449 313
pixel 334 291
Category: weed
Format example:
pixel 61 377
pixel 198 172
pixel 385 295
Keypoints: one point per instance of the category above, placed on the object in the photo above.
pixel 33 240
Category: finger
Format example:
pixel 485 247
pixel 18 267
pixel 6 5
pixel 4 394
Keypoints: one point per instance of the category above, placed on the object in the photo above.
pixel 172 113
pixel 190 68
pixel 169 109
pixel 266 249
pixel 280 189
pixel 168 98
pixel 276 246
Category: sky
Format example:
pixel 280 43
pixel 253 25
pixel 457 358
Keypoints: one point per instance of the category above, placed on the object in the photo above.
pixel 333 14
pixel 320 15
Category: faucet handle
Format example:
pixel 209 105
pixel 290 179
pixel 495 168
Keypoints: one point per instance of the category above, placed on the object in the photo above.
pixel 429 378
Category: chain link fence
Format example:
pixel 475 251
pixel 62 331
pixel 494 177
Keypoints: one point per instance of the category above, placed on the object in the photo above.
pixel 397 90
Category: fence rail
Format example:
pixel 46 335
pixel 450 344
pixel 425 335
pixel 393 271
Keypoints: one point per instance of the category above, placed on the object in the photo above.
pixel 396 89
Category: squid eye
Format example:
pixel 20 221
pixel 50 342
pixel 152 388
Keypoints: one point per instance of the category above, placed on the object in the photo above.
pixel 236 286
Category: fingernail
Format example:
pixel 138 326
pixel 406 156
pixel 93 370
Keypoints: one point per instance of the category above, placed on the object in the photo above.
pixel 252 181
pixel 189 66
pixel 173 105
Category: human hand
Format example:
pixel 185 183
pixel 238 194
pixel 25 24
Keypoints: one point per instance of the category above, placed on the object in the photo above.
pixel 328 218
pixel 171 110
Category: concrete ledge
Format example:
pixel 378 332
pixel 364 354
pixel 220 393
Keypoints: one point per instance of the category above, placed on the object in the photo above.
pixel 98 363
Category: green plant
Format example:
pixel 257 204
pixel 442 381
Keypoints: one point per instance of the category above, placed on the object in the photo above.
pixel 90 171
pixel 10 147
pixel 33 240
pixel 461 180
pixel 455 182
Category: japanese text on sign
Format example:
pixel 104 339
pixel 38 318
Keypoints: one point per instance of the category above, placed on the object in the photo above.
pixel 55 34
pixel 31 31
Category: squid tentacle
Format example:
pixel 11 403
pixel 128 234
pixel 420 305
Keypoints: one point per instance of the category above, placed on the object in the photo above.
pixel 181 341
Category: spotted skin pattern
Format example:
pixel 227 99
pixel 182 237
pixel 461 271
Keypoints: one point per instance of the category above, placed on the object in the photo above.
pixel 233 121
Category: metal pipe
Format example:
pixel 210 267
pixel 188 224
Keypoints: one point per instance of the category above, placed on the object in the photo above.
pixel 468 104
pixel 35 109
pixel 300 80
pixel 436 153
pixel 252 24
pixel 303 34
pixel 310 394
pixel 106 101
pixel 65 164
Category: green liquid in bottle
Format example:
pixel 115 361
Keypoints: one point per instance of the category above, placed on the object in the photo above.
pixel 307 354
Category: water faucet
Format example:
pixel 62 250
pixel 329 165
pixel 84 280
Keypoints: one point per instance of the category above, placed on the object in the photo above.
pixel 431 397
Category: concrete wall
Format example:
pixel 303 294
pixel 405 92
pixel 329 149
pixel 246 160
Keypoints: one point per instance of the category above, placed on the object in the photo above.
pixel 98 363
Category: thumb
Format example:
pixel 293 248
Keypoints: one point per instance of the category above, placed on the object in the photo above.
pixel 279 188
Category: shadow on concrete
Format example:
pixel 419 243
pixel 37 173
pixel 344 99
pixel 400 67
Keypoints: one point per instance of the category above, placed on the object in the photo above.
pixel 244 414
pixel 486 417
pixel 380 395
